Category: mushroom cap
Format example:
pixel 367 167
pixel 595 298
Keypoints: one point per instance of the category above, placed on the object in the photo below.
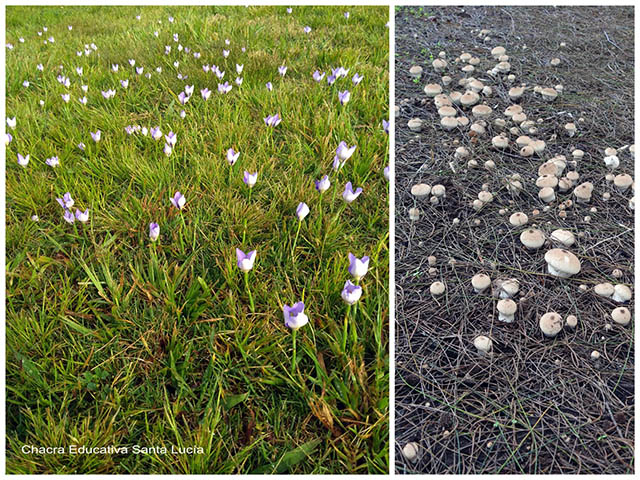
pixel 485 197
pixel 622 181
pixel 561 262
pixel 421 190
pixel 411 451
pixel 523 140
pixel 511 110
pixel 549 93
pixel 508 288
pixel 437 288
pixel 500 141
pixel 547 194
pixel 414 213
pixel 564 237
pixel 548 168
pixel 621 315
pixel 455 97
pixel 550 324
pixel 481 111
pixel 447 111
pixel 469 98
pixel 518 218
pixel 621 293
pixel 483 343
pixel 432 89
pixel 449 123
pixel 438 190
pixel 583 191
pixel 547 181
pixel 577 153
pixel 439 64
pixel 507 306
pixel 415 71
pixel 415 124
pixel 571 321
pixel 480 282
pixel 604 289
pixel 498 51
pixel 516 92
pixel 532 238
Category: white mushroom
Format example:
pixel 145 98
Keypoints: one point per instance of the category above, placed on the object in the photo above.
pixel 550 324
pixel 561 263
pixel 506 310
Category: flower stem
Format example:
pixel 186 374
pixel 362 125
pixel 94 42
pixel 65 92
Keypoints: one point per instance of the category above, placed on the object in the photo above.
pixel 246 284
pixel 295 241
pixel 244 223
pixel 344 332
pixel 293 359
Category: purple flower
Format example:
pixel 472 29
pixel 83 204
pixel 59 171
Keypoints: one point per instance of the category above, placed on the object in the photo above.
pixel 167 149
pixel 358 267
pixel 11 122
pixel 225 53
pixel 183 97
pixel 272 120
pixel 307 29
pixel 83 100
pixel 250 178
pixel 351 293
pixel 206 93
pixel 52 162
pixel 124 83
pixel 349 194
pixel 289 10
pixel 132 62
pixel 68 216
pixel 188 89
pixel 23 161
pixel 282 70
pixel 294 316
pixel 239 68
pixel 66 97
pixel 346 15
pixel 227 41
pixel 79 71
pixel 154 231
pixel 269 86
pixel 81 146
pixel 139 70
pixel 385 172
pixel 331 79
pixel 340 72
pixel 302 211
pixel 82 217
pixel 171 138
pixel 344 152
pixel 114 67
pixel 385 126
pixel 178 200
pixel 245 260
pixel 40 67
pixel 224 87
pixel 85 88
pixel 357 79
pixel 232 156
pixel 7 139
pixel 317 76
pixel 238 81
pixel 219 73
pixel 156 134
pixel 337 164
pixel 96 136
pixel 323 184
pixel 344 96
pixel 66 201
pixel 206 68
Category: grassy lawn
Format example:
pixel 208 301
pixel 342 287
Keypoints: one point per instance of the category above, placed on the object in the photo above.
pixel 113 339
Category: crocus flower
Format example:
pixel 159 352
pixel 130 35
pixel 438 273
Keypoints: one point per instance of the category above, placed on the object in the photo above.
pixel 167 149
pixel 232 156
pixel 183 97
pixel 35 218
pixel 81 146
pixel 156 134
pixel 66 201
pixel 66 97
pixel 302 211
pixel 289 10
pixel 79 71
pixel 69 217
pixel 340 72
pixel 337 164
pixel 385 126
pixel 85 88
pixel 357 79
pixel 132 62
pixel 317 76
pixel 344 96
pixel 26 84
pixel 239 68
pixel 154 231
pixel 243 49
pixel 245 260
pixel 250 178
pixel 7 139
pixel 344 152
pixel 273 120
pixel 82 216
pixel 139 70
pixel 349 194
pixel 40 67
pixel 238 81
pixel 114 67
pixel 219 73
pixel 144 131
pixel 83 100
pixel 11 122
pixel 346 15
pixel 206 68
pixel 294 316
pixel 351 293
pixel 206 93
pixel 96 136
pixel 227 41
pixel 358 266
pixel 124 83
pixel 23 161
pixel 170 19
pixel 282 70
pixel 323 184
pixel 52 162
pixel 225 53
pixel 331 79
pixel 307 29
pixel 188 89
pixel 178 200
pixel 171 138
pixel 269 86
pixel 224 87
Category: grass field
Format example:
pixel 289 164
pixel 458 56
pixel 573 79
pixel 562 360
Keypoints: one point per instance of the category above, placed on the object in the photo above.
pixel 113 339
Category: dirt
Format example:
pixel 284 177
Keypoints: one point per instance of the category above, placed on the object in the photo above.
pixel 537 405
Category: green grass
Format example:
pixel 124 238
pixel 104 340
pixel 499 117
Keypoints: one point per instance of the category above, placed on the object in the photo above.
pixel 113 340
